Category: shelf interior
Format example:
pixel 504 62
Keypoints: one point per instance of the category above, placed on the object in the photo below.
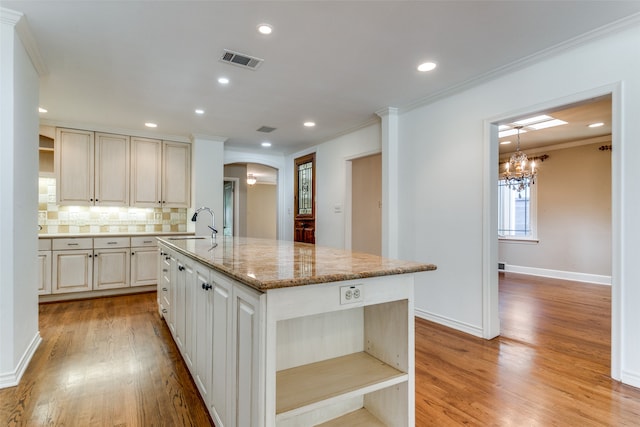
pixel 303 386
pixel 359 418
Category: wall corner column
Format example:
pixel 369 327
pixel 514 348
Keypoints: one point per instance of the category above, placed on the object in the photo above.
pixel 207 181
pixel 390 181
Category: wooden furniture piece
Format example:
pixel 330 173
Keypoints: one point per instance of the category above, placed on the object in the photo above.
pixel 284 334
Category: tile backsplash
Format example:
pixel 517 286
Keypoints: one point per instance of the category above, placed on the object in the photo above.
pixel 56 219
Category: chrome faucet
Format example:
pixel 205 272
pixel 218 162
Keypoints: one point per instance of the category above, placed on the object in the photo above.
pixel 194 218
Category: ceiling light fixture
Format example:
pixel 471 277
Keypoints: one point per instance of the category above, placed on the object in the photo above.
pixel 151 125
pixel 265 29
pixel 518 173
pixel 251 179
pixel 223 80
pixel 266 144
pixel 505 142
pixel 309 124
pixel 547 124
pixel 42 110
pixel 596 125
pixel 536 119
pixel 426 66
pixel 199 111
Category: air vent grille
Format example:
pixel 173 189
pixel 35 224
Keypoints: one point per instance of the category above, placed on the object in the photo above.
pixel 241 60
pixel 265 129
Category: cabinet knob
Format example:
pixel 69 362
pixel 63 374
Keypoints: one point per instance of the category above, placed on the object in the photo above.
pixel 167 258
pixel 164 310
pixel 206 286
pixel 164 289
pixel 133 253
pixel 181 268
pixel 91 256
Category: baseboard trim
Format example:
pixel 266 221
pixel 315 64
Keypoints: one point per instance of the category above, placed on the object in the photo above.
pixel 630 378
pixel 445 321
pixel 559 274
pixel 11 379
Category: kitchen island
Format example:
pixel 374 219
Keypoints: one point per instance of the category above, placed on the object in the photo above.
pixel 277 333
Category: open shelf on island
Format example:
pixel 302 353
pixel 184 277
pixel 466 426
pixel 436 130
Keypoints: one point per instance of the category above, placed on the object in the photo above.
pixel 307 387
pixel 359 418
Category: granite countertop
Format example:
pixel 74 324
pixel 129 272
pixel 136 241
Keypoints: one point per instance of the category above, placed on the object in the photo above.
pixel 269 264
pixel 123 234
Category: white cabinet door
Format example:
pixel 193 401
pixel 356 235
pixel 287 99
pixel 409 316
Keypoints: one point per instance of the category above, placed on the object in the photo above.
pixel 74 167
pixel 44 269
pixel 248 352
pixel 164 282
pixel 203 333
pixel 111 268
pixel 222 373
pixel 181 311
pixel 144 266
pixel 176 174
pixel 190 295
pixel 111 170
pixel 146 171
pixel 72 271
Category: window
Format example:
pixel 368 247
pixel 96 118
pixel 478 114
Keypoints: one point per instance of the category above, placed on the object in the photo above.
pixel 516 212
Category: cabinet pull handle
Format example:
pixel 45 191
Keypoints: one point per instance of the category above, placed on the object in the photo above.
pixel 164 310
pixel 72 244
pixel 164 270
pixel 147 241
pixel 167 258
pixel 164 289
pixel 112 243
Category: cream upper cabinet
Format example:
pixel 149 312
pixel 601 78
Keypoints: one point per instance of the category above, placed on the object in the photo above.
pixel 160 173
pixel 91 168
pixel 176 174
pixel 111 170
pixel 73 157
pixel 146 170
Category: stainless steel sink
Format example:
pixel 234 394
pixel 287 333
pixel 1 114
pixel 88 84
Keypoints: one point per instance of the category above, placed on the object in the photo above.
pixel 186 238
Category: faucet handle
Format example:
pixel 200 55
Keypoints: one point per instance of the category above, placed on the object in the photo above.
pixel 213 229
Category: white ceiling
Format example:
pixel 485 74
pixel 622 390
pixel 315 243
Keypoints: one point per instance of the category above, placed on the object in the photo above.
pixel 120 64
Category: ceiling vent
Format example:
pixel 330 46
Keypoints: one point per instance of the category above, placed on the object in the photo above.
pixel 265 129
pixel 241 60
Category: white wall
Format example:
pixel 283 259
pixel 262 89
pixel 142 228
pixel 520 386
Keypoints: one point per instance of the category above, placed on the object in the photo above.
pixel 331 179
pixel 19 86
pixel 447 173
pixel 207 160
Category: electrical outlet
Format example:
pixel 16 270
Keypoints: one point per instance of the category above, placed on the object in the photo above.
pixel 351 294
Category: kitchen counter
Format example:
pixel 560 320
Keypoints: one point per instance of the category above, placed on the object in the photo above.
pixel 267 264
pixel 279 333
pixel 124 234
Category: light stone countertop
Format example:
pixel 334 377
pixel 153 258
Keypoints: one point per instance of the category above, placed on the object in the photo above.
pixel 119 234
pixel 267 264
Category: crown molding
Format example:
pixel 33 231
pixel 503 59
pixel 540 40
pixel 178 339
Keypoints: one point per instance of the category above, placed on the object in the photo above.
pixel 19 22
pixel 598 33
pixel 115 130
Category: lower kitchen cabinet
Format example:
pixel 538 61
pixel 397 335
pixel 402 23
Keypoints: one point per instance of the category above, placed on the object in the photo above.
pixel 111 268
pixel 144 261
pixel 44 272
pixel 72 271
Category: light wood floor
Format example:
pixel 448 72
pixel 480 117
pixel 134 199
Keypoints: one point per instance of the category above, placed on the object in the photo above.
pixel 111 362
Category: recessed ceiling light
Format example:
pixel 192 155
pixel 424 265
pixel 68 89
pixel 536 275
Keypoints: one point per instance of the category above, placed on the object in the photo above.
pixel 266 144
pixel 596 125
pixel 309 124
pixel 265 29
pixel 151 125
pixel 42 110
pixel 536 119
pixel 505 142
pixel 223 80
pixel 548 124
pixel 426 66
pixel 199 111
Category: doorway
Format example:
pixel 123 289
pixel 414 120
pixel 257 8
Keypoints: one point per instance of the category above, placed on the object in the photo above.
pixel 366 204
pixel 230 206
pixel 595 146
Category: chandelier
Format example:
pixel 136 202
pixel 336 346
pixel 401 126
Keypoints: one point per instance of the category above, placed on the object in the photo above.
pixel 519 173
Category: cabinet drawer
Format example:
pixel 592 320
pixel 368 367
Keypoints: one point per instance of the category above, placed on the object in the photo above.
pixel 143 241
pixel 72 243
pixel 110 242
pixel 44 244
